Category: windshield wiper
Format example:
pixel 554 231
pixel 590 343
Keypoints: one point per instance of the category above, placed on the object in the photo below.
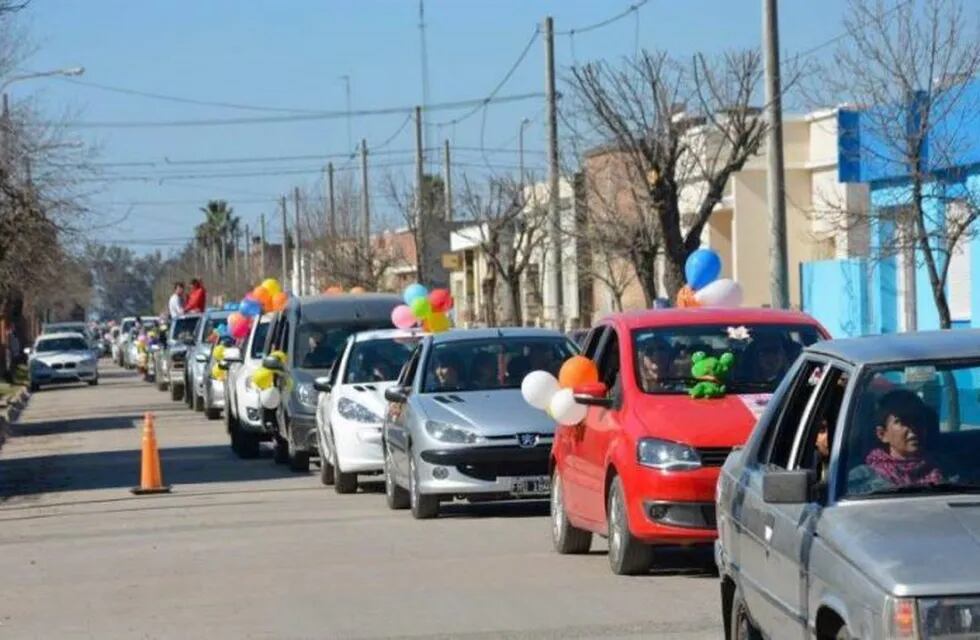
pixel 939 487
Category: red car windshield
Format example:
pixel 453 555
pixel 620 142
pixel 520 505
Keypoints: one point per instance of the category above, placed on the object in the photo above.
pixel 763 354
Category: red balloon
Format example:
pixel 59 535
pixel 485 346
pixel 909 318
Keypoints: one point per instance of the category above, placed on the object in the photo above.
pixel 441 300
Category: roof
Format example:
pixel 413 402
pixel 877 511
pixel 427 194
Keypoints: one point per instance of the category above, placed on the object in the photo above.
pixel 739 315
pixel 950 344
pixel 388 334
pixel 67 323
pixel 325 307
pixel 60 334
pixel 217 313
pixel 454 335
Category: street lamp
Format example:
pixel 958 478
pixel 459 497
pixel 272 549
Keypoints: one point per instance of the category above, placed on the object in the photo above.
pixel 520 148
pixel 67 72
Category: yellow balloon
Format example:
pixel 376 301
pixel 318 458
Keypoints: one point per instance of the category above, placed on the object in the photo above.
pixel 217 373
pixel 271 285
pixel 437 322
pixel 280 356
pixel 263 378
pixel 219 352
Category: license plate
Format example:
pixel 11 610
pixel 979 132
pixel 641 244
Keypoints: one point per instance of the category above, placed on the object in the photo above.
pixel 531 486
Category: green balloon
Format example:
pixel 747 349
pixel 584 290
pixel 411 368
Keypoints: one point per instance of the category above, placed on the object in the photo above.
pixel 421 308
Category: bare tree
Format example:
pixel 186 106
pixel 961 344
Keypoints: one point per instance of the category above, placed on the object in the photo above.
pixel 676 132
pixel 912 68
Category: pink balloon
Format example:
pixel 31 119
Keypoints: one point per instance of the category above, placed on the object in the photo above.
pixel 402 317
pixel 240 329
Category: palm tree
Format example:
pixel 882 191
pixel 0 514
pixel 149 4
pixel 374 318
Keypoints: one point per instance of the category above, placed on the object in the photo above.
pixel 219 227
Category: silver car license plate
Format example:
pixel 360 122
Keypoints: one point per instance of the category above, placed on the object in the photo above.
pixel 535 486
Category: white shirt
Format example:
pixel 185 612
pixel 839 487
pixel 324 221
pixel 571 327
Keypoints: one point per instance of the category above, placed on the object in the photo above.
pixel 175 307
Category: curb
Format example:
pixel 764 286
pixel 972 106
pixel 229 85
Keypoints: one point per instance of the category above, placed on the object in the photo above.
pixel 11 410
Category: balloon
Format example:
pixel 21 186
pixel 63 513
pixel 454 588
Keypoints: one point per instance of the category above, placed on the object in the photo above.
pixel 279 301
pixel 218 373
pixel 279 355
pixel 538 387
pixel 701 268
pixel 263 378
pixel 357 290
pixel 414 291
pixel 441 300
pixel 576 371
pixel 436 322
pixel 565 410
pixel 269 398
pixel 262 294
pixel 401 317
pixel 334 290
pixel 721 293
pixel 271 285
pixel 686 298
pixel 219 352
pixel 421 308
pixel 250 307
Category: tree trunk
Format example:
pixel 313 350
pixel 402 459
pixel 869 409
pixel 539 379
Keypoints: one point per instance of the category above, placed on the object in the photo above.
pixel 514 295
pixel 645 266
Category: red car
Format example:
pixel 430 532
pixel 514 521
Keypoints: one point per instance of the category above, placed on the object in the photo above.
pixel 641 468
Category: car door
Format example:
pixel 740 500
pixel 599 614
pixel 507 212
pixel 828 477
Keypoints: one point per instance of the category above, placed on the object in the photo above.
pixel 568 444
pixel 396 419
pixel 336 379
pixel 763 576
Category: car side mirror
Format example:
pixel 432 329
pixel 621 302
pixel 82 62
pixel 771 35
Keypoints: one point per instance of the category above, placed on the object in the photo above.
pixel 322 384
pixel 398 395
pixel 272 363
pixel 594 394
pixel 232 355
pixel 202 358
pixel 789 487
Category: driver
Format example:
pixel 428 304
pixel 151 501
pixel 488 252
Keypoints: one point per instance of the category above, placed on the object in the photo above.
pixel 655 358
pixel 771 360
pixel 446 369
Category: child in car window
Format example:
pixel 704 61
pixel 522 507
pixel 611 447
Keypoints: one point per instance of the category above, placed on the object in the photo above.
pixel 902 427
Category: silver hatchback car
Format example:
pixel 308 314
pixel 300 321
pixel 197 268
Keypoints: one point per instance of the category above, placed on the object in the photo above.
pixel 457 425
pixel 853 510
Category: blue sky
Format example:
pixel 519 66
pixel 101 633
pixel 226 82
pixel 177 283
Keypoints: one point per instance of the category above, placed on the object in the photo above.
pixel 291 54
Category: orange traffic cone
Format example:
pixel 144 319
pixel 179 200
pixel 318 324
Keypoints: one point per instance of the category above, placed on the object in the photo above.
pixel 150 477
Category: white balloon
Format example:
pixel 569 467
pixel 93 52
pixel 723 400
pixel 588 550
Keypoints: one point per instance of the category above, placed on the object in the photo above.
pixel 538 387
pixel 565 410
pixel 269 398
pixel 720 293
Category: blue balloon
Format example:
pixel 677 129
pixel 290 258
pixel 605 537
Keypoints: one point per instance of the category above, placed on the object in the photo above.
pixel 413 292
pixel 222 329
pixel 702 268
pixel 250 308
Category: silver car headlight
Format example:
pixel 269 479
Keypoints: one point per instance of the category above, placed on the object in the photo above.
pixel 306 394
pixel 356 411
pixel 666 455
pixel 949 617
pixel 445 432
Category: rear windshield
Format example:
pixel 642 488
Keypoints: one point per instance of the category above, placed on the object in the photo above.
pixel 258 341
pixel 763 354
pixel 211 324
pixel 492 363
pixel 60 328
pixel 61 344
pixel 183 329
pixel 378 360
pixel 318 344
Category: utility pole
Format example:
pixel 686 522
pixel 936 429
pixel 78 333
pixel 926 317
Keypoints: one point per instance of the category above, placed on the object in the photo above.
pixel 907 233
pixel 248 256
pixel 285 241
pixel 332 210
pixel 554 202
pixel 262 246
pixel 297 248
pixel 776 179
pixel 447 182
pixel 365 204
pixel 235 264
pixel 425 65
pixel 420 222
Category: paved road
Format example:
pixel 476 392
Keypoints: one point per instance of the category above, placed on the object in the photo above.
pixel 245 549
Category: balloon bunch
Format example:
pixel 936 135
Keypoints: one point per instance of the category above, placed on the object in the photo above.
pixel 423 307
pixel 704 288
pixel 265 379
pixel 556 396
pixel 264 298
pixel 218 354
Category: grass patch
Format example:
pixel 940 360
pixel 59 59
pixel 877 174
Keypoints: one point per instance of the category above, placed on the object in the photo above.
pixel 20 380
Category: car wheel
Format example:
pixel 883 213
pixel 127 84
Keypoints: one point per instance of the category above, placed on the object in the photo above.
pixel 93 382
pixel 280 451
pixel 198 402
pixel 188 393
pixel 566 537
pixel 326 462
pixel 213 413
pixel 423 507
pixel 243 443
pixel 162 383
pixel 740 624
pixel 299 461
pixel 176 393
pixel 395 496
pixel 627 555
pixel 342 482
pixel 35 387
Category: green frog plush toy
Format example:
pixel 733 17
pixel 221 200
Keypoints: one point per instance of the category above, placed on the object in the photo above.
pixel 710 373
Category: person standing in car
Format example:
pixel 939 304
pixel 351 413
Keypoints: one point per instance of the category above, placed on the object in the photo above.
pixel 175 306
pixel 197 298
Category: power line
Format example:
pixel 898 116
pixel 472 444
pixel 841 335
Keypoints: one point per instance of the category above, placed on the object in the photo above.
pixel 602 23
pixel 326 115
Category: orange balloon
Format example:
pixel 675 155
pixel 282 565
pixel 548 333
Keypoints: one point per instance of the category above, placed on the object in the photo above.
pixel 334 290
pixel 279 301
pixel 357 290
pixel 262 294
pixel 576 371
pixel 686 299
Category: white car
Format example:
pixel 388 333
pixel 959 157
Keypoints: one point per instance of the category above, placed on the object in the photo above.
pixel 62 357
pixel 351 405
pixel 244 416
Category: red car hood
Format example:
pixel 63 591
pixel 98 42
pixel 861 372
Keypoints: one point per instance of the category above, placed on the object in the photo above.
pixel 716 422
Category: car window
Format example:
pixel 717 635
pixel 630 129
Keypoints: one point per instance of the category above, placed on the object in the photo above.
pixel 61 344
pixel 812 447
pixel 407 374
pixel 318 344
pixel 258 340
pixel 183 328
pixel 378 360
pixel 781 433
pixel 591 343
pixel 492 363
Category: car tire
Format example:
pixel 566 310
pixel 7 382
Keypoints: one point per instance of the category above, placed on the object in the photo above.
pixel 299 461
pixel 567 538
pixel 627 555
pixel 740 626
pixel 423 507
pixel 188 393
pixel 396 496
pixel 343 483
pixel 244 444
pixel 162 383
pixel 93 382
pixel 213 413
pixel 176 393
pixel 198 403
pixel 280 450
